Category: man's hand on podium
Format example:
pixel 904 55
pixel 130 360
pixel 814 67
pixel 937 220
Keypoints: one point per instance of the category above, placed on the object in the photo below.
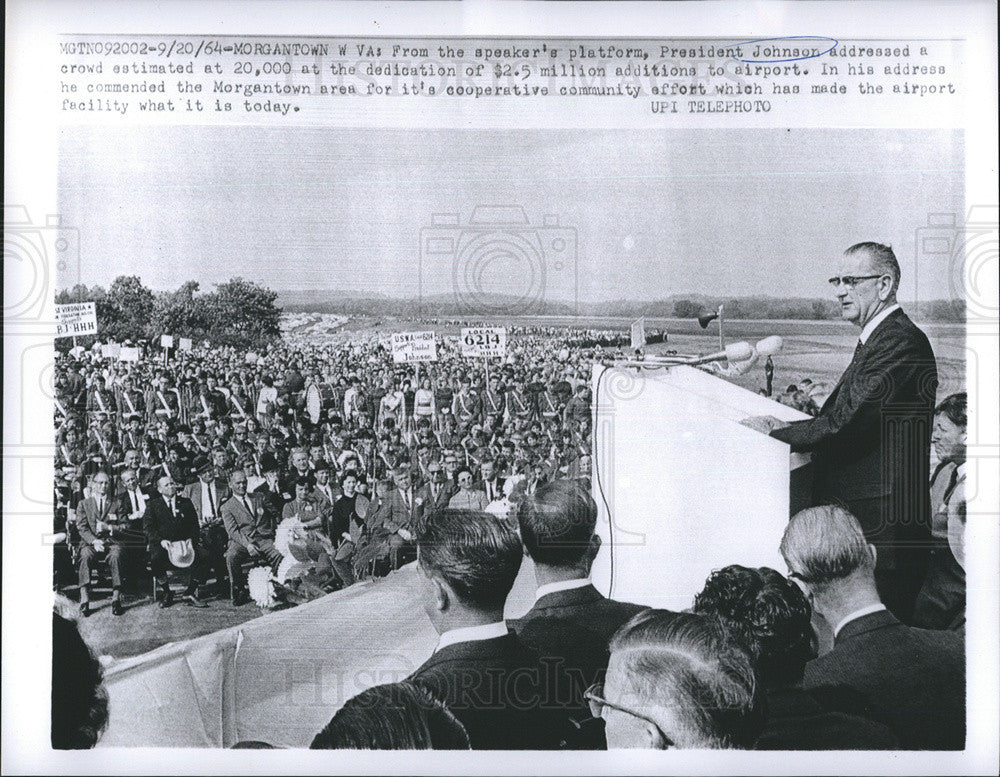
pixel 764 424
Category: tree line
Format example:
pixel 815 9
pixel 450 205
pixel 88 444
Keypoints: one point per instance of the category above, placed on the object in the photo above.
pixel 239 313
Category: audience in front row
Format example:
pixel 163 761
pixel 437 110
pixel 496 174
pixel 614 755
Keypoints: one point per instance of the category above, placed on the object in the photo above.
pixel 913 678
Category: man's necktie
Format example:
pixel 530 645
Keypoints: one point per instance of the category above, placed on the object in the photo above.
pixel 211 500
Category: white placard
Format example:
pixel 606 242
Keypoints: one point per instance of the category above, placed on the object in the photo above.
pixel 76 318
pixel 410 347
pixel 128 354
pixel 484 341
pixel 639 333
pixel 184 344
pixel 111 351
pixel 166 341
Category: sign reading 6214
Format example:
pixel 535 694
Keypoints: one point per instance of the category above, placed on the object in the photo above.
pixel 484 342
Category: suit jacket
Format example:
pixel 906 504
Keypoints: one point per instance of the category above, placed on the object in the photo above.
pixel 473 500
pixel 871 439
pixel 796 720
pixel 496 485
pixel 242 526
pixel 87 516
pixel 160 523
pixel 445 491
pixel 497 689
pixel 307 510
pixel 393 513
pixel 193 492
pixel 914 679
pixel 585 607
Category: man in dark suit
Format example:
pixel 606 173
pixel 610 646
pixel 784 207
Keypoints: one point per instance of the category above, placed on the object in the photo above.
pixel 870 443
pixel 914 679
pixel 242 517
pixel 170 518
pixel 488 481
pixel 398 515
pixel 207 494
pixel 494 684
pixel 93 520
pixel 438 490
pixel 769 617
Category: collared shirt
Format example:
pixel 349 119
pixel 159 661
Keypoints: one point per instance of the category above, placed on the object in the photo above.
pixel 138 501
pixel 472 634
pixel 562 585
pixel 208 500
pixel 870 327
pixel 858 614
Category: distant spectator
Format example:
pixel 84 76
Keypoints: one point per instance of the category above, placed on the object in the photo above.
pixel 398 716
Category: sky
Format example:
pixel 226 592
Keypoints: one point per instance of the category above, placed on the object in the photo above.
pixel 609 214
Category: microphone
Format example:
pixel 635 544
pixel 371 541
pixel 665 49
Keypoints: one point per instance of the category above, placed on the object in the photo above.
pixel 734 352
pixel 769 345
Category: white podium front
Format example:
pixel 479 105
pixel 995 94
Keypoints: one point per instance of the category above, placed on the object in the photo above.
pixel 681 487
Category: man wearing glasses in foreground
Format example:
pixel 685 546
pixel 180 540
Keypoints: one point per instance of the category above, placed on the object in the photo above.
pixel 870 443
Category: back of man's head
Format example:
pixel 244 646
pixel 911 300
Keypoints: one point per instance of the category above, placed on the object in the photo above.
pixel 767 614
pixel 476 554
pixel 557 523
pixel 826 548
pixel 397 716
pixel 684 673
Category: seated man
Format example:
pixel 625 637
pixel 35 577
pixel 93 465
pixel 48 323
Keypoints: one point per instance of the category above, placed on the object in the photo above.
pixel 94 518
pixel 492 682
pixel 677 680
pixel 207 494
pixel 769 617
pixel 241 516
pixel 941 601
pixel 467 498
pixel 392 518
pixel 169 521
pixel 914 679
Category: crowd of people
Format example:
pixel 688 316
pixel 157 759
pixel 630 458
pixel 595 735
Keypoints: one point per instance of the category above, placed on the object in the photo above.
pixel 740 669
pixel 204 453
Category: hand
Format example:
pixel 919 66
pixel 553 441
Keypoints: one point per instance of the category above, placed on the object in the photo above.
pixel 164 544
pixel 762 423
pixel 99 546
pixel 252 549
pixel 405 534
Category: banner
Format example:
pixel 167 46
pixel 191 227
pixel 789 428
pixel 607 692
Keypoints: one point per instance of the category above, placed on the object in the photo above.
pixel 76 318
pixel 484 342
pixel 166 341
pixel 184 344
pixel 408 347
pixel 639 333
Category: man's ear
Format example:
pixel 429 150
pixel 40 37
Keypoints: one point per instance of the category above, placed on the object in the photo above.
pixel 593 549
pixel 442 594
pixel 874 551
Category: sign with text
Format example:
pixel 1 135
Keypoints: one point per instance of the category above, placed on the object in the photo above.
pixel 408 347
pixel 484 341
pixel 76 318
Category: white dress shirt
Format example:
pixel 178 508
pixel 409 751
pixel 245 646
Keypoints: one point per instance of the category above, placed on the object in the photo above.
pixel 858 614
pixel 472 634
pixel 209 500
pixel 562 585
pixel 871 326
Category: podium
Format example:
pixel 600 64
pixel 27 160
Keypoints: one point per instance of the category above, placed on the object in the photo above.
pixel 682 488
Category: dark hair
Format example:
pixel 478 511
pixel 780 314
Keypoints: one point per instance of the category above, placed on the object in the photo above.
pixel 882 257
pixel 348 473
pixel 557 523
pixel 688 664
pixel 955 409
pixel 79 699
pixel 767 614
pixel 476 553
pixel 397 716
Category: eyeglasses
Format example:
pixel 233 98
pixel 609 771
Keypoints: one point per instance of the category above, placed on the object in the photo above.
pixel 595 698
pixel 850 281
